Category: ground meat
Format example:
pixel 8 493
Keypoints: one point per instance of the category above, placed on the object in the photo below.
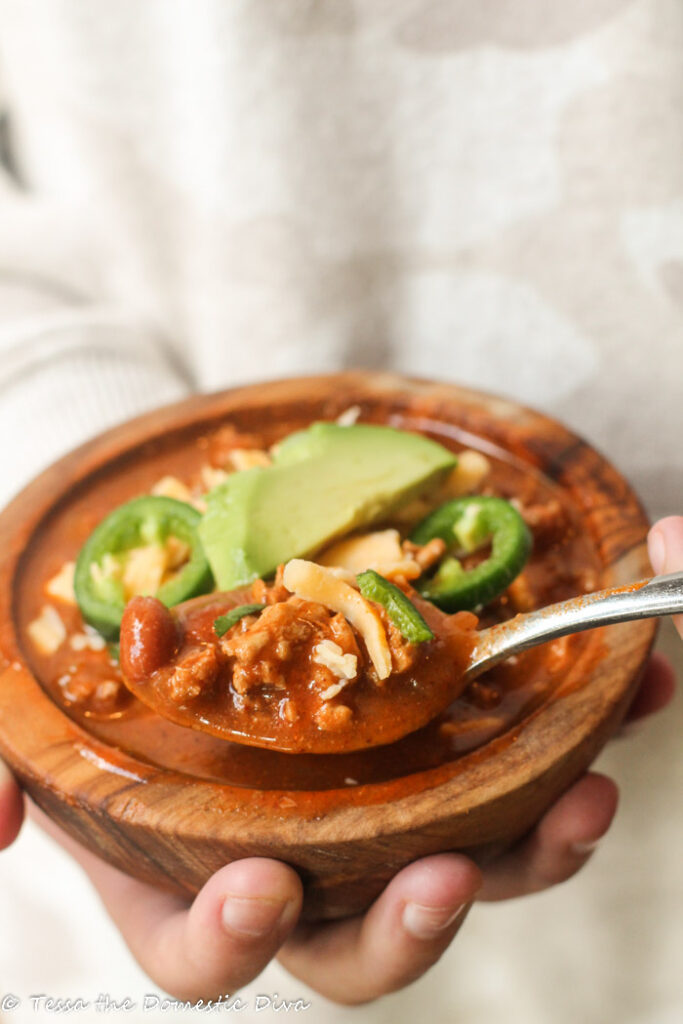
pixel 343 635
pixel 270 593
pixel 520 594
pixel 426 555
pixel 547 521
pixel 194 673
pixel 331 717
pixel 248 643
pixel 261 648
pixel 102 695
pixel 403 653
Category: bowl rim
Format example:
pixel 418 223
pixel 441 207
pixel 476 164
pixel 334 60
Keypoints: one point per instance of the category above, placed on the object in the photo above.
pixel 56 752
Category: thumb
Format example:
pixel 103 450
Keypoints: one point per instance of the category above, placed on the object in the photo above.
pixel 665 547
pixel 234 927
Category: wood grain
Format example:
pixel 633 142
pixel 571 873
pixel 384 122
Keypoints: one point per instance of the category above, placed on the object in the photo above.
pixel 175 830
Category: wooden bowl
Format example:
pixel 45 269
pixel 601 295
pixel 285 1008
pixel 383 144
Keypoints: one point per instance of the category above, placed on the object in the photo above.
pixel 175 828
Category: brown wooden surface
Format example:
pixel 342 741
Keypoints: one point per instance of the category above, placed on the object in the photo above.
pixel 175 830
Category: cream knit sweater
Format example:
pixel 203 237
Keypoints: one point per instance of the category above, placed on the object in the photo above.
pixel 198 193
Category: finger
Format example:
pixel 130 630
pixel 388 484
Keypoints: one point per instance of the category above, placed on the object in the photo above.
pixel 656 689
pixel 217 944
pixel 230 932
pixel 665 544
pixel 11 807
pixel 226 937
pixel 404 933
pixel 560 844
pixel 665 547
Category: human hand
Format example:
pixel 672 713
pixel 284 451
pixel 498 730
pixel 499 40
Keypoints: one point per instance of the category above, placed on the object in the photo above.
pixel 247 912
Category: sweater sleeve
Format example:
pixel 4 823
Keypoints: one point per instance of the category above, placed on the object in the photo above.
pixel 70 366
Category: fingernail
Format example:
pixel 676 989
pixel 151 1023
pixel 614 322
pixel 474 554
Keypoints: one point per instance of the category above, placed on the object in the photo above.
pixel 428 922
pixel 253 916
pixel 656 546
pixel 584 849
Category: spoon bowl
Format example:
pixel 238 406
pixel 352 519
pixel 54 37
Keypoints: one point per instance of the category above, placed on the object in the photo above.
pixel 372 715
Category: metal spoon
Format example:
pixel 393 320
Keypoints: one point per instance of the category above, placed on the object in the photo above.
pixel 661 595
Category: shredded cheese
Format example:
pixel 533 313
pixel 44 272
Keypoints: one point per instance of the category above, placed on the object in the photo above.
pixel 47 632
pixel 408 569
pixel 172 487
pixel 413 512
pixel 470 472
pixel 313 582
pixel 61 585
pixel 143 570
pixel 380 551
pixel 364 551
pixel 332 691
pixel 330 654
pixel 344 574
pixel 349 416
pixel 212 477
pixel 177 553
pixel 87 642
pixel 247 458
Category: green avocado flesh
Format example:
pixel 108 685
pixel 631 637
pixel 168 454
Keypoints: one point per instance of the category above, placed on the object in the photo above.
pixel 324 482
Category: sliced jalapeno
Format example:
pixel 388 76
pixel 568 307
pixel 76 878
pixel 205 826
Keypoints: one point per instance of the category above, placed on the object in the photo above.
pixel 399 608
pixel 467 524
pixel 225 622
pixel 98 580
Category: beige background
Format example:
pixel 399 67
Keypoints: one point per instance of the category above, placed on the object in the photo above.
pixel 208 192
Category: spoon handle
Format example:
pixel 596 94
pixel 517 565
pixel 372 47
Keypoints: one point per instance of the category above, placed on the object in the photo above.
pixel 661 595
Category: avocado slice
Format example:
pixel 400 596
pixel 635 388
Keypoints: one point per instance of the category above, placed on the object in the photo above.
pixel 324 482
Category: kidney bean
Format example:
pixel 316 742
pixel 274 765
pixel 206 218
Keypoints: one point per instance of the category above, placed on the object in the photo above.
pixel 150 637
